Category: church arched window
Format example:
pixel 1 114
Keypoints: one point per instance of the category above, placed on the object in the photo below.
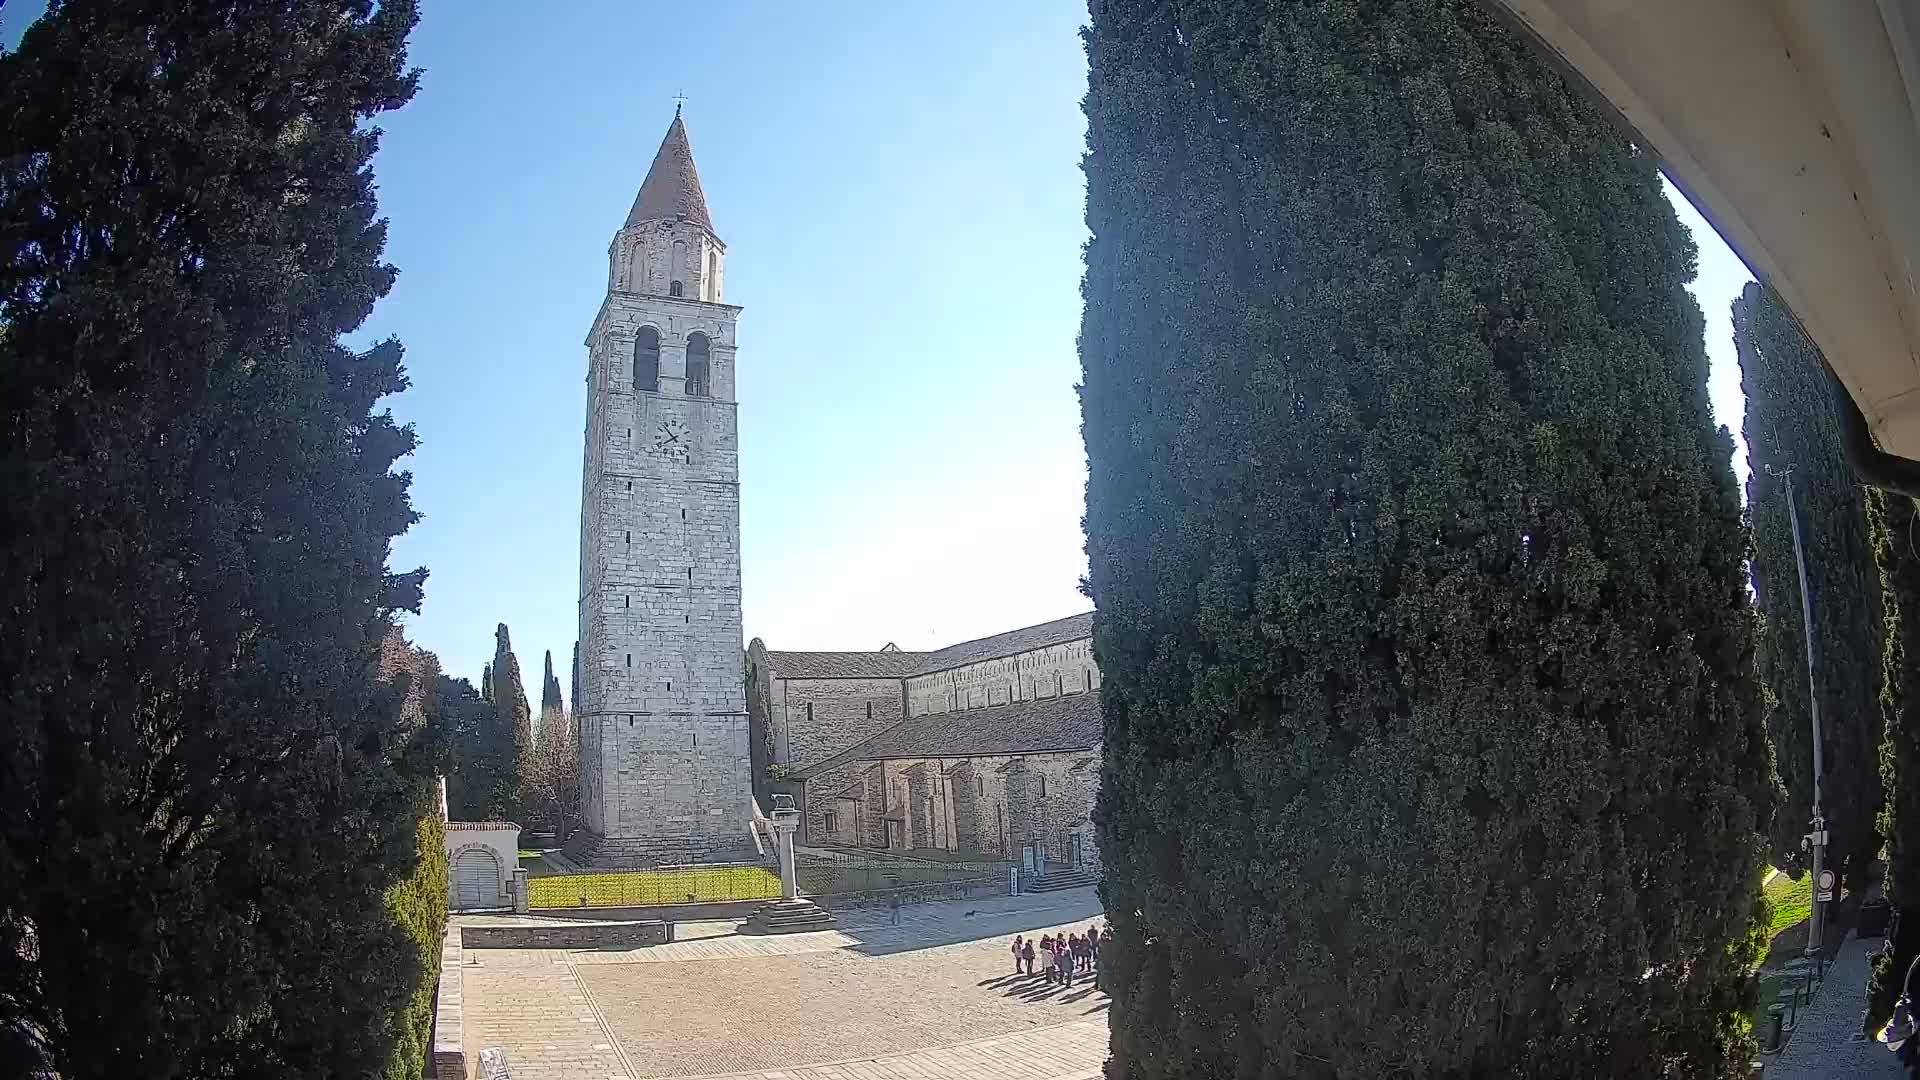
pixel 677 270
pixel 698 382
pixel 646 360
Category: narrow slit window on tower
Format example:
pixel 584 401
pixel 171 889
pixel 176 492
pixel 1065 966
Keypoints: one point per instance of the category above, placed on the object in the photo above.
pixel 629 536
pixel 677 270
pixel 646 360
pixel 869 710
pixel 629 485
pixel 683 513
pixel 626 601
pixel 698 382
pixel 669 684
pixel 1059 686
pixel 676 288
pixel 629 659
pixel 1089 674
pixel 981 781
pixel 809 712
pixel 1043 787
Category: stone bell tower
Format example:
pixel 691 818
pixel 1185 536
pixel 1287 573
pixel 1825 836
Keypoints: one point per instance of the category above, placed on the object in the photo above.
pixel 663 714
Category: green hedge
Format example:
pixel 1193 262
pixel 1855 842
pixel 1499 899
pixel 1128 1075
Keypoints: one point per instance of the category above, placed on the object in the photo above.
pixel 418 905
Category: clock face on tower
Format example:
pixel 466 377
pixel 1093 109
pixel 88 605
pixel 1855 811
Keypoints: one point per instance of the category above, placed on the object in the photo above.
pixel 670 439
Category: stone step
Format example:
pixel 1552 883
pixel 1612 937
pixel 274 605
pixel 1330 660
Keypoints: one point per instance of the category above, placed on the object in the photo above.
pixel 789 916
pixel 1061 879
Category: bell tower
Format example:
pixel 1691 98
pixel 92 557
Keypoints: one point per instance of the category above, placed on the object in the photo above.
pixel 663 714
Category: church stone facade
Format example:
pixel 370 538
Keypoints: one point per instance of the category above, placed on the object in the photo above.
pixel 662 713
pixel 989 747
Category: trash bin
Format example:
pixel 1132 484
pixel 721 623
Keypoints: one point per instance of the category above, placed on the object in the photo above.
pixel 1776 1020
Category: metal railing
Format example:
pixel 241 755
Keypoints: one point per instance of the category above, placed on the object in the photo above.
pixel 846 874
pixel 652 888
pixel 878 874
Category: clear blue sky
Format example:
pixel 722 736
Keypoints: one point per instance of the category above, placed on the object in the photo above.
pixel 899 189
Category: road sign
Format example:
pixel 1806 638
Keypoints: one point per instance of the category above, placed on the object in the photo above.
pixel 1823 888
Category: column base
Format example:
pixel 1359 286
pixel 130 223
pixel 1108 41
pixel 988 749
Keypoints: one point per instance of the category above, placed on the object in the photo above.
pixel 789 917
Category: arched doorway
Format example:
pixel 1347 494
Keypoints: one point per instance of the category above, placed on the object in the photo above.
pixel 476 879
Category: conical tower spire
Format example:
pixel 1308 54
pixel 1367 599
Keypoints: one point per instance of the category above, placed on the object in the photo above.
pixel 672 187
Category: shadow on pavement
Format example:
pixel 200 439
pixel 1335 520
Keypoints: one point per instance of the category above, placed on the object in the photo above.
pixel 930 926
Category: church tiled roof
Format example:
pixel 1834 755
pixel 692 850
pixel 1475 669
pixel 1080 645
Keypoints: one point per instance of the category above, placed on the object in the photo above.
pixel 1043 726
pixel 844 665
pixel 893 664
pixel 1022 640
pixel 672 187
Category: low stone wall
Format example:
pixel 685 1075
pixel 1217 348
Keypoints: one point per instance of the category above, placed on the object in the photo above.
pixel 565 935
pixel 449 1061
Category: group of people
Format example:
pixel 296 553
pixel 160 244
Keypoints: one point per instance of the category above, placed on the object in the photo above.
pixel 1061 955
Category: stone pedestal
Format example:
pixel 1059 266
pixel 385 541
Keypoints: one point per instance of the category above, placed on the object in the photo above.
pixel 792 912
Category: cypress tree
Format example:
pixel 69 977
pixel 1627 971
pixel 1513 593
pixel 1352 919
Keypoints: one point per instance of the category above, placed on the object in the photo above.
pixel 1790 424
pixel 486 683
pixel 207 789
pixel 512 734
pixel 1432 746
pixel 417 903
pixel 552 712
pixel 1900 763
pixel 473 780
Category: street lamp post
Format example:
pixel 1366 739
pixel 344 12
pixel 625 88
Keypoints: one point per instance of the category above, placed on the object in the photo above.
pixel 1815 841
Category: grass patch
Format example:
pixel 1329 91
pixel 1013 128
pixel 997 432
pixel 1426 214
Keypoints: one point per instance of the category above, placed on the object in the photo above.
pixel 623 888
pixel 1791 901
pixel 529 853
pixel 1789 906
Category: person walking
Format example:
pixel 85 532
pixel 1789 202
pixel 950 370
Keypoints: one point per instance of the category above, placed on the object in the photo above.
pixel 1093 947
pixel 1026 953
pixel 893 908
pixel 1047 958
pixel 1066 962
pixel 1016 954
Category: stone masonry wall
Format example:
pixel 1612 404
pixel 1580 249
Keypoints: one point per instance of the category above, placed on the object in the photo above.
pixel 814 719
pixel 664 726
pixel 1042 673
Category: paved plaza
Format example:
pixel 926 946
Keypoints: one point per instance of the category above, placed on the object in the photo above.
pixel 932 998
pixel 1828 1043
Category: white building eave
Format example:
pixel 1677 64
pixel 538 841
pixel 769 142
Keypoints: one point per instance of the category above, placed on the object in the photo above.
pixel 1791 125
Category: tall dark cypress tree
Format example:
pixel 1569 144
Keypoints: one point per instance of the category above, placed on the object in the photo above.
pixel 468 720
pixel 1900 763
pixel 1790 424
pixel 206 788
pixel 552 710
pixel 512 734
pixel 1432 743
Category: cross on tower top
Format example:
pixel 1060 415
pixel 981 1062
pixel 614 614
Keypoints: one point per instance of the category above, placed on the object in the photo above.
pixel 679 99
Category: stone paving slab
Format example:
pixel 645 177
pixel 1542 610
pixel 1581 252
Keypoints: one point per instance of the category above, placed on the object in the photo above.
pixel 1072 1051
pixel 929 998
pixel 1827 1043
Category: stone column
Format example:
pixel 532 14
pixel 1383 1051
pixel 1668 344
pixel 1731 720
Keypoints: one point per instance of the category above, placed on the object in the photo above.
pixel 785 822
